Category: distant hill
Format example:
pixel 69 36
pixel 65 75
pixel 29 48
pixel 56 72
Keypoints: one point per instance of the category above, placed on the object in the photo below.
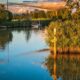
pixel 23 7
pixel 43 1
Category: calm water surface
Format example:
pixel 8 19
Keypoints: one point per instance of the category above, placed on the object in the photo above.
pixel 19 61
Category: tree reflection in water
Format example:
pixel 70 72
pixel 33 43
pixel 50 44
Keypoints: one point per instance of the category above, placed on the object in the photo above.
pixel 5 38
pixel 28 34
pixel 6 35
pixel 65 67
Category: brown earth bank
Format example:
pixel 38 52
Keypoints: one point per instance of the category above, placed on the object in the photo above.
pixel 67 50
pixel 65 56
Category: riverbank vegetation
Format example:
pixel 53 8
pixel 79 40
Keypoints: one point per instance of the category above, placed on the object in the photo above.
pixel 23 20
pixel 67 24
pixel 7 18
pixel 68 35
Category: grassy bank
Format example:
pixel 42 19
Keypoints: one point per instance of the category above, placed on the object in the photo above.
pixel 68 35
pixel 25 23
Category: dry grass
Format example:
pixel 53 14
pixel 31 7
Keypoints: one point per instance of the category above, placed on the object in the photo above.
pixel 48 5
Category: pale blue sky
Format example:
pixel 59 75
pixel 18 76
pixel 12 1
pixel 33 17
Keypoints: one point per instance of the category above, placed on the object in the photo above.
pixel 4 1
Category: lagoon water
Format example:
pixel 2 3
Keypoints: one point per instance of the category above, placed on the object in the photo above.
pixel 17 59
pixel 21 60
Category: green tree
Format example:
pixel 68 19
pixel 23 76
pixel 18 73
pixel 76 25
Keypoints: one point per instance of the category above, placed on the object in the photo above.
pixel 5 15
pixel 68 34
pixel 9 15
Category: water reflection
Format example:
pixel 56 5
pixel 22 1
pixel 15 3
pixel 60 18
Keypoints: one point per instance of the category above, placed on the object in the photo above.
pixel 5 38
pixel 28 66
pixel 6 35
pixel 65 67
pixel 16 43
pixel 28 34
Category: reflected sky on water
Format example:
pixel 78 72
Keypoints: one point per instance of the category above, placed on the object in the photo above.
pixel 17 60
pixel 20 61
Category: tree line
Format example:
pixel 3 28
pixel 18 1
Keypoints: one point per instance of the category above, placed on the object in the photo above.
pixel 67 24
pixel 65 13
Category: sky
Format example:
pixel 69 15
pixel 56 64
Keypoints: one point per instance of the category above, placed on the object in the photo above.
pixel 4 1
